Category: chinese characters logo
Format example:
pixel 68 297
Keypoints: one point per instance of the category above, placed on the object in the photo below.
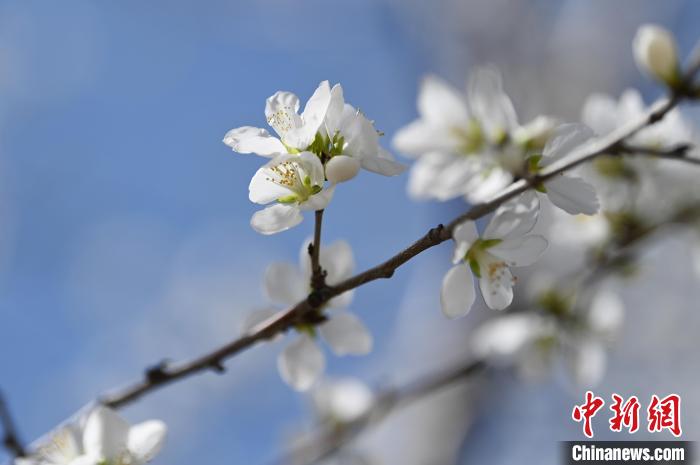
pixel 662 413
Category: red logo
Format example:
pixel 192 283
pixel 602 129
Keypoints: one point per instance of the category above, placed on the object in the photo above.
pixel 662 414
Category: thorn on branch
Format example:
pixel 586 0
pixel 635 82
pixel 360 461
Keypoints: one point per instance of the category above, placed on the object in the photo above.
pixel 217 366
pixel 157 373
pixel 435 233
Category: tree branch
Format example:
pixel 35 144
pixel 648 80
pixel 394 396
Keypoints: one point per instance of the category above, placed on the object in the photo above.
pixel 330 438
pixel 318 277
pixel 11 439
pixel 164 374
pixel 327 440
pixel 678 152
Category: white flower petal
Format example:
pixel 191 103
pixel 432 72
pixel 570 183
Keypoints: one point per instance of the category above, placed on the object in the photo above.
pixel 503 337
pixel 441 176
pixel 146 439
pixel 464 235
pixel 263 191
pixel 301 363
pixel 420 137
pixel 656 53
pixel 342 168
pixel 335 111
pixel 346 334
pixel 487 184
pixel 83 460
pixel 514 218
pixel 314 113
pixel 248 139
pixel 338 260
pixel 606 313
pixel 441 104
pixel 319 201
pixel 105 434
pixel 457 293
pixel 276 218
pixel 520 251
pixel 565 139
pixel 383 164
pixel 587 362
pixel 573 195
pixel 281 111
pixel 489 103
pixel 496 283
pixel 343 400
pixel 284 284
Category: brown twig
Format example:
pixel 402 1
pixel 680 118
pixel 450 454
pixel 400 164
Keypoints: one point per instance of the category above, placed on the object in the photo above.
pixel 11 439
pixel 330 438
pixel 318 278
pixel 164 374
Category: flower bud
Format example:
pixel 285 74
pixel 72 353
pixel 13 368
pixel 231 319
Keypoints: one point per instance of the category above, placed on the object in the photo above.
pixel 341 168
pixel 656 53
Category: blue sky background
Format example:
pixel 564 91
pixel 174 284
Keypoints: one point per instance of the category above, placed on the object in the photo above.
pixel 125 237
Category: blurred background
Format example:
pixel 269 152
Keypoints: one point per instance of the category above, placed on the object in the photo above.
pixel 124 235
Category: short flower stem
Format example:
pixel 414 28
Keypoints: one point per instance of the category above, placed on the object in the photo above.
pixel 318 279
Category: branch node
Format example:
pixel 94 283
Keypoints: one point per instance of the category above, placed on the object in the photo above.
pixel 157 373
pixel 218 366
pixel 435 233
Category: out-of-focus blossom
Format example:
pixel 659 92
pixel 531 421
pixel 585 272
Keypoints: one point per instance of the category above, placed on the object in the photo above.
pixel 533 340
pixel 636 182
pixel 504 243
pixel 578 231
pixel 302 362
pixel 656 53
pixel 102 438
pixel 295 183
pixel 342 401
pixel 566 191
pixel 467 145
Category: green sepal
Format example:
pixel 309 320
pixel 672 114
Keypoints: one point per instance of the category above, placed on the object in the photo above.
pixel 533 163
pixel 474 265
pixel 287 199
pixel 488 243
pixel 316 189
pixel 309 330
pixel 539 187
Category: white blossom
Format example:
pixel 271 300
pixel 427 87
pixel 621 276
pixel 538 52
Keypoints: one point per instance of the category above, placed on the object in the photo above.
pixel 503 244
pixel 296 132
pixel 103 437
pixel 642 184
pixel 531 341
pixel 302 362
pixel 295 183
pixel 342 400
pixel 568 192
pixel 349 136
pixel 656 53
pixel 470 145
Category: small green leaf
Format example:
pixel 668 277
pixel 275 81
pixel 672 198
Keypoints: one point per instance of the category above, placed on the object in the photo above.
pixel 474 265
pixel 316 189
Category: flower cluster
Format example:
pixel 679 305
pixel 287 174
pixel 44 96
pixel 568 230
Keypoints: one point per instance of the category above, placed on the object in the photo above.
pixel 325 145
pixel 302 362
pixel 101 437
